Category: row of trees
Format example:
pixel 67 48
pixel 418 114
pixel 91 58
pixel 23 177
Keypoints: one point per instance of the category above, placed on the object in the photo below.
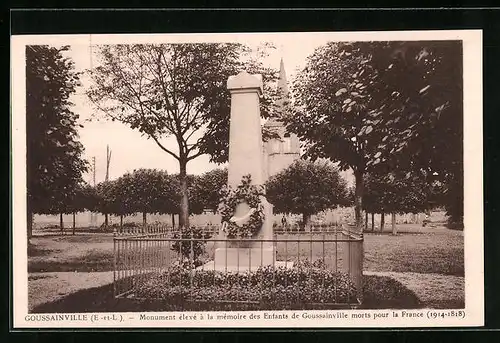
pixel 146 191
pixel 399 193
pixel 308 187
pixel 304 188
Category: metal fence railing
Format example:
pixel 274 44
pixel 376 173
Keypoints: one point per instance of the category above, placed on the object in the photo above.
pixel 155 228
pixel 198 270
pixel 314 229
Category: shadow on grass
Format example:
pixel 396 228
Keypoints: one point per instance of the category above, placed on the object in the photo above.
pixel 379 293
pixel 38 277
pixel 92 261
pixel 34 251
pixel 383 292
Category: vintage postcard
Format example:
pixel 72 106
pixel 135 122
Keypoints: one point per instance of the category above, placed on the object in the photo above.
pixel 277 180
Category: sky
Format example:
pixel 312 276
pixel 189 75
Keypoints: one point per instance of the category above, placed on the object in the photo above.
pixel 130 150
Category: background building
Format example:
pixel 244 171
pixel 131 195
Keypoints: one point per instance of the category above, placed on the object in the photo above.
pixel 283 151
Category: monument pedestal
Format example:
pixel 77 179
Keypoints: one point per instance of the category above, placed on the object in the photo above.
pixel 241 258
pixel 244 255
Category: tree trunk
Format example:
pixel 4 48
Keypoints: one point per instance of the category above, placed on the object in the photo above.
pixel 358 199
pixel 74 222
pixel 61 223
pixel 306 221
pixel 106 220
pixel 366 221
pixel 373 222
pixel 30 223
pixel 173 221
pixel 144 218
pixel 184 205
pixel 382 221
pixel 393 223
pixel 121 222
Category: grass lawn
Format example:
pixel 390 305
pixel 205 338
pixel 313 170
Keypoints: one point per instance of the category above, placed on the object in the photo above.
pixel 434 250
pixel 80 253
pixel 428 250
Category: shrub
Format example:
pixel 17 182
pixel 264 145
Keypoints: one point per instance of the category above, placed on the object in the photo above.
pixel 272 288
pixel 196 246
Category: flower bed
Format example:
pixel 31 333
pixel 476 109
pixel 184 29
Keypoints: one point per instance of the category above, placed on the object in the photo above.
pixel 278 288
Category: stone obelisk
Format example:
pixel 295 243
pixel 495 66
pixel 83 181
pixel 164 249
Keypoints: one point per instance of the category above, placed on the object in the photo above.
pixel 246 157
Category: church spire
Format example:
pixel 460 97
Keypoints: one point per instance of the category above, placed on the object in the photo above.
pixel 282 83
pixel 282 88
pixel 282 99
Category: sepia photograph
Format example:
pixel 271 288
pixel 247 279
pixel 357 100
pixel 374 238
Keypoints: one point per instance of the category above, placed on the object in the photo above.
pixel 264 179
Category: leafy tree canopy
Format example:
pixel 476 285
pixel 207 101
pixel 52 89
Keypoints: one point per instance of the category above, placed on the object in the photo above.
pixel 364 103
pixel 398 192
pixel 307 188
pixel 54 154
pixel 381 106
pixel 207 188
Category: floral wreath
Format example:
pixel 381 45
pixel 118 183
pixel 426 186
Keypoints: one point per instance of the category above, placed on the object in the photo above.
pixel 250 194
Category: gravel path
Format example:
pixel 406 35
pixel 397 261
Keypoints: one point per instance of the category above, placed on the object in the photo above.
pixel 431 289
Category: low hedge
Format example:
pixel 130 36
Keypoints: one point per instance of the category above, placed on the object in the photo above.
pixel 272 288
pixel 379 293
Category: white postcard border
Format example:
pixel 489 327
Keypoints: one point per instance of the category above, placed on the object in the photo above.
pixel 473 188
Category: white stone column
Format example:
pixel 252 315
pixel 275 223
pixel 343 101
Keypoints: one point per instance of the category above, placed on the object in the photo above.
pixel 246 153
pixel 246 157
pixel 245 133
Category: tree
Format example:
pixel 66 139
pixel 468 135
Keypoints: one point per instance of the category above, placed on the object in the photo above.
pixel 122 204
pixel 54 154
pixel 307 188
pixel 196 203
pixel 84 198
pixel 148 191
pixel 106 178
pixel 171 90
pixel 367 104
pixel 430 131
pixel 398 192
pixel 207 188
pixel 106 198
